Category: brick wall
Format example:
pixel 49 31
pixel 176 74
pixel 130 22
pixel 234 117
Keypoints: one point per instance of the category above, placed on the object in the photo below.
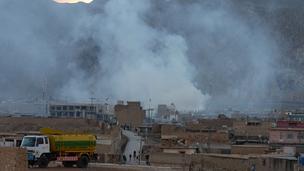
pixel 172 133
pixel 131 114
pixel 242 129
pixel 249 149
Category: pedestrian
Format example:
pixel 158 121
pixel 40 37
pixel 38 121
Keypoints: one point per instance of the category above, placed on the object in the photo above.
pixel 147 159
pixel 124 158
pixel 130 156
pixel 134 154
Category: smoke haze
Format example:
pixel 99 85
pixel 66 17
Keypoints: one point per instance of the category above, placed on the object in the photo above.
pixel 196 54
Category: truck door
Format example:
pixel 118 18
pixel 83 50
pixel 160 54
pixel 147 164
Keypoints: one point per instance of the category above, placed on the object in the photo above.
pixel 42 145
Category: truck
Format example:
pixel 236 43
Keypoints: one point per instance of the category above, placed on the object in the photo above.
pixel 55 145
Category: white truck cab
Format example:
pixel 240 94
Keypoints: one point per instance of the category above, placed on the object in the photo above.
pixel 37 146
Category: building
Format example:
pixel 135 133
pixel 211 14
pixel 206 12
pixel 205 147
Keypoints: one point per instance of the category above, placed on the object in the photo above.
pixel 287 134
pixel 250 131
pixel 295 116
pixel 207 140
pixel 167 113
pixel 130 114
pixel 82 110
pixel 10 140
pixel 218 124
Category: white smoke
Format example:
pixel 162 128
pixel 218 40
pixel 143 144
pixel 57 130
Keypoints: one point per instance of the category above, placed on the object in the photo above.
pixel 140 62
pixel 135 50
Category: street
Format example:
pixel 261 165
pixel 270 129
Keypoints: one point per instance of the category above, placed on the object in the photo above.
pixel 134 143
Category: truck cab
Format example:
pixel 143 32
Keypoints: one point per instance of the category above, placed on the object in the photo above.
pixel 38 147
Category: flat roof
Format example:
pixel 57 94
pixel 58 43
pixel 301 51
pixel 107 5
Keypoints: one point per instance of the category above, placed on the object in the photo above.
pixel 287 129
pixel 179 147
pixel 251 145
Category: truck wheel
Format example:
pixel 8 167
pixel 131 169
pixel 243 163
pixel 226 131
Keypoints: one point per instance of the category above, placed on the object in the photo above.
pixel 83 162
pixel 68 163
pixel 43 162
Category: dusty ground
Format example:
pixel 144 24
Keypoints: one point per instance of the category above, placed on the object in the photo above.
pixel 110 167
pixel 69 169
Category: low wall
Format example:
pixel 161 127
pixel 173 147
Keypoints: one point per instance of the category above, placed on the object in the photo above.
pixel 249 149
pixel 222 162
pixel 116 167
pixel 13 159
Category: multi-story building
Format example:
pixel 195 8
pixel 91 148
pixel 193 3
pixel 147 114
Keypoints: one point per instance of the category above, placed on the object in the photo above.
pixel 250 131
pixel 287 134
pixel 130 114
pixel 82 110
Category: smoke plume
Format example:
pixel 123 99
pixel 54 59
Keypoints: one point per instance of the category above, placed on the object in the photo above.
pixel 196 54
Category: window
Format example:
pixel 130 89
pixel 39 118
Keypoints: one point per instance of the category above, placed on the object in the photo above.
pixel 292 124
pixel 39 141
pixel 289 136
pixel 46 140
pixel 301 135
pixel 59 114
pixel 28 142
pixel 281 135
pixel 264 162
pixel 78 114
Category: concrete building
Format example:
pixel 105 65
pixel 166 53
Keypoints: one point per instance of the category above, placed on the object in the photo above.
pixel 295 116
pixel 10 140
pixel 287 134
pixel 130 114
pixel 103 112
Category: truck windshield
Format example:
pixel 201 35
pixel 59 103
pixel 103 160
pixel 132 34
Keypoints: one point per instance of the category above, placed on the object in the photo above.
pixel 28 142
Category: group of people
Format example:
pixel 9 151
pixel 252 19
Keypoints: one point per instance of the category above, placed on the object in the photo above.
pixel 136 157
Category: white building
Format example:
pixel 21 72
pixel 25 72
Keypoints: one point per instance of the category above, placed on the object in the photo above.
pixel 167 113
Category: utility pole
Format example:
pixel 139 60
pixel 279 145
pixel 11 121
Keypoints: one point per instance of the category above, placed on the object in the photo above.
pixel 140 151
pixel 45 97
pixel 208 141
pixel 92 106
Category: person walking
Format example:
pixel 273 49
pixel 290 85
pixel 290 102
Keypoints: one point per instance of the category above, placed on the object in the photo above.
pixel 134 154
pixel 124 158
